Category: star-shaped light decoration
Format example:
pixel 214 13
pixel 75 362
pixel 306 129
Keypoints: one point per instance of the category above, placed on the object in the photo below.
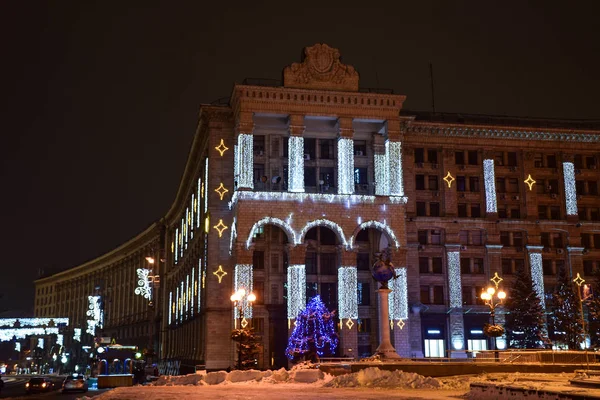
pixel 401 323
pixel 244 323
pixel 578 280
pixel 220 227
pixel 496 279
pixel 530 182
pixel 221 190
pixel 349 323
pixel 449 179
pixel 221 148
pixel 219 273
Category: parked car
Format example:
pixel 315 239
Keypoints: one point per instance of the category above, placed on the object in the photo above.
pixel 75 382
pixel 37 385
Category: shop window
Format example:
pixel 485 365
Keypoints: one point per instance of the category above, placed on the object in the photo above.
pixel 476 345
pixel 434 348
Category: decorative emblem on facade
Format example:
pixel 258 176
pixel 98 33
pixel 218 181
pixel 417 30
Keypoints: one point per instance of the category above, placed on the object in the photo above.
pixel 321 69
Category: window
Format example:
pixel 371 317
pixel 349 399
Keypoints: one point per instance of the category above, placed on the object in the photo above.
pixel 473 158
pixel 259 291
pixel 424 295
pixel 462 210
pixel 419 155
pixel 459 157
pixel 312 289
pixel 436 265
pixel 478 265
pixel 310 149
pixel 364 293
pixel 258 324
pixel 547 267
pixel 423 265
pixel 542 212
pixel 259 145
pixel 329 295
pixel 586 240
pixel 593 188
pixel 507 266
pixel 326 175
pixel 275 262
pixel 465 266
pixel 275 293
pixel 434 348
pixel 512 159
pixel 421 209
pixel 438 295
pixel 475 211
pixel 474 183
pixel 499 158
pixel 258 175
pixel 360 176
pixel 578 161
pixel 420 182
pixel 310 176
pixel 422 236
pixel 538 160
pixel 513 185
pixel 436 236
pixel 326 148
pixel 364 325
pixel 310 262
pixel 328 263
pixel 518 239
pixel 588 267
pixel 433 182
pixel 467 295
pixel 500 185
pixel 258 259
pixel 360 147
pixel 362 261
pixel 461 184
pixel 476 345
pixel 432 156
pixel 554 212
pixel 434 209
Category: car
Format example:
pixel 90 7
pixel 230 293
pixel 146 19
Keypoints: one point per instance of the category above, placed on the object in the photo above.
pixel 75 382
pixel 37 385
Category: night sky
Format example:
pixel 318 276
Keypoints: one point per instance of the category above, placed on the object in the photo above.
pixel 100 99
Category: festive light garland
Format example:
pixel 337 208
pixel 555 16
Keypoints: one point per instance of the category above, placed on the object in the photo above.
pixel 60 339
pixel 176 245
pixel 490 186
pixel 18 347
pixel 198 286
pixel 382 176
pixel 271 221
pixel 34 322
pixel 296 290
pixel 233 235
pixel 77 334
pixel 40 343
pixel 143 288
pixel 181 238
pixel 170 306
pixel 243 279
pixel 296 164
pixel 454 279
pixel 21 333
pixel 394 157
pixel 193 208
pixel 347 293
pixel 188 293
pixel 95 312
pixel 378 225
pixel 322 222
pixel 194 291
pixel 314 197
pixel 198 203
pixel 205 185
pixel 570 188
pixel 398 297
pixel 537 273
pixel 345 165
pixel 246 161
pixel 182 300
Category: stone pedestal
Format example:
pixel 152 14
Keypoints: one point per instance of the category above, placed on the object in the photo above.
pixel 385 349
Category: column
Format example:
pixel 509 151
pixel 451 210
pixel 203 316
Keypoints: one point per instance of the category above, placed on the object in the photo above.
pixel 243 279
pixel 296 154
pixel 245 151
pixel 296 281
pixel 345 151
pixel 449 183
pixel 575 260
pixel 537 275
pixel 393 150
pixel 348 304
pixel 489 181
pixel 398 302
pixel 457 326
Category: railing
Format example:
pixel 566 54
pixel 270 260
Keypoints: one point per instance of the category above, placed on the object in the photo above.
pixel 335 359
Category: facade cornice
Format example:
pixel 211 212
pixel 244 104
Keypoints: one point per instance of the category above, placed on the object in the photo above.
pixel 501 132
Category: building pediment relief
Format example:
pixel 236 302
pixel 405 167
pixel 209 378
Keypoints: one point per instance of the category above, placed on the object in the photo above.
pixel 321 69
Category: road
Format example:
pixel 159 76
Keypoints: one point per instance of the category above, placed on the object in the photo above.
pixel 14 388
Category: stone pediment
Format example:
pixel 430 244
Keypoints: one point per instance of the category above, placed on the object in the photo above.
pixel 321 69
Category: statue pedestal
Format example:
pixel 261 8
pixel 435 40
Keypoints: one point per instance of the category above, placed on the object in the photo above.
pixel 385 349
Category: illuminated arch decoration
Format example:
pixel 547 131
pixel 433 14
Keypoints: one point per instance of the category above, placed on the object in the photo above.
pixel 382 226
pixel 323 222
pixel 272 221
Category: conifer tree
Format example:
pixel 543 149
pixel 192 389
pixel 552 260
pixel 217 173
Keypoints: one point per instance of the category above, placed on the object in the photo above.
pixel 248 346
pixel 593 304
pixel 565 322
pixel 525 322
pixel 314 334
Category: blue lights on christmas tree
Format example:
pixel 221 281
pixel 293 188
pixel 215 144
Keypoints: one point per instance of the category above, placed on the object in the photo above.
pixel 314 334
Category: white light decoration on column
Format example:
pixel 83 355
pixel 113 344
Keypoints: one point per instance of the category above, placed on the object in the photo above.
pixel 186 221
pixel 236 166
pixel 187 294
pixel 176 245
pixel 296 164
pixel 177 304
pixel 40 343
pixel 77 334
pixel 194 292
pixel 95 313
pixel 454 280
pixel 537 275
pixel 382 176
pixel 398 297
pixel 199 289
pixel 246 161
pixel 182 300
pixel 243 279
pixel 394 159
pixel 60 339
pixel 181 233
pixel 347 293
pixel 233 235
pixel 489 180
pixel 197 203
pixel 193 216
pixel 170 306
pixel 143 288
pixel 345 166
pixel 17 346
pixel 570 188
pixel 296 290
pixel 205 191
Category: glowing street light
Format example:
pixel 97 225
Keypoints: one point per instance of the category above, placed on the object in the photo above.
pixel 237 298
pixel 492 299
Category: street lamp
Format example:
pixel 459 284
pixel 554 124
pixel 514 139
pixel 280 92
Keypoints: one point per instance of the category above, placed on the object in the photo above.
pixel 492 299
pixel 584 292
pixel 238 303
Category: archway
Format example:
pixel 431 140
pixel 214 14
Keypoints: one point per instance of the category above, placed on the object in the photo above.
pixel 291 235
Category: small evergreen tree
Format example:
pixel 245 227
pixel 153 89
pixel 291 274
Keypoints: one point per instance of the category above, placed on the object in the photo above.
pixel 525 322
pixel 248 346
pixel 314 334
pixel 566 324
pixel 593 303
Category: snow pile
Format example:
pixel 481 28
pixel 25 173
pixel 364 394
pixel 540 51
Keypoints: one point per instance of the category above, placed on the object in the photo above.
pixel 243 376
pixel 374 377
pixel 183 380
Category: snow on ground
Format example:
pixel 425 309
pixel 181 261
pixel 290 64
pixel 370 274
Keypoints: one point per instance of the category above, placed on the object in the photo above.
pixel 368 384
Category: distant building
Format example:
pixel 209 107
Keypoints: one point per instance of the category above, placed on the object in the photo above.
pixel 291 190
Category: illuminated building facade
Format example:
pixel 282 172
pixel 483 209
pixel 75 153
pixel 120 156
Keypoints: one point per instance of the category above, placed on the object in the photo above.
pixel 290 190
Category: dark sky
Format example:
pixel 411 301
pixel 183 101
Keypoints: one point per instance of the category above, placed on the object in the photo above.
pixel 100 99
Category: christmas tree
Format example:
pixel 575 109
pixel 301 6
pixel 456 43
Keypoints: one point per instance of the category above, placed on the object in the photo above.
pixel 314 334
pixel 591 294
pixel 565 323
pixel 525 322
pixel 248 346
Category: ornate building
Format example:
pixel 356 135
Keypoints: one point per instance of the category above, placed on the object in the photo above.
pixel 291 191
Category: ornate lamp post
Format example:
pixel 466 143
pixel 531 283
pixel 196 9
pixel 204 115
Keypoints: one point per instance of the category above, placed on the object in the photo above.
pixel 238 304
pixel 584 292
pixel 492 299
